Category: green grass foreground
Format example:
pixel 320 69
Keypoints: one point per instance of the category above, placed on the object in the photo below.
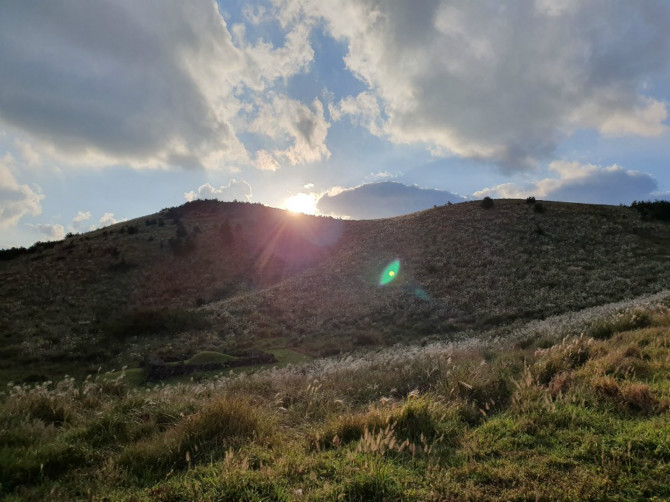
pixel 539 418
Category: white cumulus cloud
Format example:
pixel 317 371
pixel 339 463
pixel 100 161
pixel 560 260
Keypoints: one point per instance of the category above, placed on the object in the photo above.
pixel 78 222
pixel 108 219
pixel 53 232
pixel 16 200
pixel 501 81
pixel 238 190
pixel 298 130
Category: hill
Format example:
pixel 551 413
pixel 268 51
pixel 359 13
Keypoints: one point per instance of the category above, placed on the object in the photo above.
pixel 233 277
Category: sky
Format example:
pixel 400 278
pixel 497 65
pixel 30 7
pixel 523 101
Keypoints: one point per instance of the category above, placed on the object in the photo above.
pixel 115 109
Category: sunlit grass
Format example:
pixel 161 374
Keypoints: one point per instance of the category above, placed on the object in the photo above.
pixel 558 417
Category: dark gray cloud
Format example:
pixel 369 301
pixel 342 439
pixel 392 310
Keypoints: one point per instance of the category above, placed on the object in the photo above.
pixel 150 83
pixel 122 79
pixel 585 183
pixel 383 200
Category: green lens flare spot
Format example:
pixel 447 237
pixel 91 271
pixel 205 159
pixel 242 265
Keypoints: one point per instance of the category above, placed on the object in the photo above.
pixel 389 273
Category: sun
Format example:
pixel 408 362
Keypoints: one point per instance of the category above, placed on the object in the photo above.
pixel 301 203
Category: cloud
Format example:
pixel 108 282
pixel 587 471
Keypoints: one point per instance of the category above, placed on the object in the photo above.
pixel 235 190
pixel 299 131
pixel 585 183
pixel 150 84
pixel 78 221
pixel 381 175
pixel 28 153
pixel 108 219
pixel 52 232
pixel 16 200
pixel 382 200
pixel 363 110
pixel 499 81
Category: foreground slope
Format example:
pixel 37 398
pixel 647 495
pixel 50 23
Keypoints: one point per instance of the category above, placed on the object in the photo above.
pixel 551 417
pixel 232 277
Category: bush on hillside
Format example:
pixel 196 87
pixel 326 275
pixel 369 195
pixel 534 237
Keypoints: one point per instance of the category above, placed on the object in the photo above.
pixel 657 210
pixel 181 247
pixel 225 233
pixel 153 322
pixel 10 254
pixel 487 202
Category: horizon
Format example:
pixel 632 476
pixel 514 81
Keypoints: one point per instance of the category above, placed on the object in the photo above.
pixel 296 213
pixel 358 110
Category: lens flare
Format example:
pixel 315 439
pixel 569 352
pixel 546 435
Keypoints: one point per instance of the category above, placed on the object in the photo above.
pixel 389 273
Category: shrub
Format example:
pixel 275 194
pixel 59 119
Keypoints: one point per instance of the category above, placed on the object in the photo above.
pixel 351 427
pixel 560 383
pixel 658 210
pixel 487 202
pixel 530 200
pixel 366 339
pixel 41 246
pixel 181 247
pixel 416 420
pixel 112 251
pixel 625 363
pixel 203 436
pixel 30 466
pixel 633 397
pixel 225 233
pixel 563 357
pixel 639 398
pixel 181 230
pixel 142 322
pixel 10 254
pixel 122 266
pixel 624 321
pixel 606 387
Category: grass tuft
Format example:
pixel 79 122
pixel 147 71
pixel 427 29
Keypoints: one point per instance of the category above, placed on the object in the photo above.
pixel 200 437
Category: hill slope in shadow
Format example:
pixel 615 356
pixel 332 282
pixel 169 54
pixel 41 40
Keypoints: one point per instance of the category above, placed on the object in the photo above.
pixel 233 276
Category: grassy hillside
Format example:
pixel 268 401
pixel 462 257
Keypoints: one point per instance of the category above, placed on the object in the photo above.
pixel 542 415
pixel 230 277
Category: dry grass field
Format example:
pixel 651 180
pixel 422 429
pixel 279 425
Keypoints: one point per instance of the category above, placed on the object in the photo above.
pixel 233 277
pixel 543 415
pixel 224 351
